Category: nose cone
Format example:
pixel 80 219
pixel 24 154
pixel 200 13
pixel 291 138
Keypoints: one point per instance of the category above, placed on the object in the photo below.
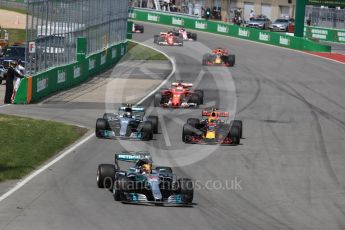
pixel 210 135
pixel 176 102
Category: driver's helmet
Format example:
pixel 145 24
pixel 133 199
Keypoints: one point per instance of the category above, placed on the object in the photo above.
pixel 127 114
pixel 146 168
pixel 212 118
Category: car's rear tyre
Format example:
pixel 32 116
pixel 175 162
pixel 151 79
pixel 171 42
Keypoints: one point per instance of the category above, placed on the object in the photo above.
pixel 157 99
pixel 109 116
pixel 238 123
pixel 194 98
pixel 201 96
pixel 193 36
pixel 231 59
pixel 156 39
pixel 154 121
pixel 187 130
pixel 186 189
pixel 101 124
pixel 193 122
pixel 147 130
pixel 235 134
pixel 105 176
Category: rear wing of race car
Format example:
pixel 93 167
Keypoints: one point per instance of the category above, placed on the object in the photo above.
pixel 183 84
pixel 132 156
pixel 136 110
pixel 206 113
pixel 220 51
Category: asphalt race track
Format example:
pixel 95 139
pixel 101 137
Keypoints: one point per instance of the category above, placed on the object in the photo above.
pixel 288 173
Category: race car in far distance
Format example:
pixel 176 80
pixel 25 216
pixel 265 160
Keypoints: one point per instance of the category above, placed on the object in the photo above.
pixel 179 96
pixel 142 184
pixel 187 36
pixel 219 56
pixel 137 28
pixel 212 129
pixel 168 39
pixel 128 123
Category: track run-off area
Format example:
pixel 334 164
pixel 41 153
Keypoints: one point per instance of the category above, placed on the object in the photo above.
pixel 287 173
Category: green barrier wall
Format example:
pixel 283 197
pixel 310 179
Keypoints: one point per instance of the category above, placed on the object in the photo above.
pixel 64 77
pixel 229 30
pixel 323 34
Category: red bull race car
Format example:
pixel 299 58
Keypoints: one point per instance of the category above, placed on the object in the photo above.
pixel 168 39
pixel 179 96
pixel 212 129
pixel 220 57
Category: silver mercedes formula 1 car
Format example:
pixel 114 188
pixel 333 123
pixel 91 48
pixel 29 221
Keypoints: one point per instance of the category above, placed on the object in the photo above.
pixel 142 184
pixel 129 122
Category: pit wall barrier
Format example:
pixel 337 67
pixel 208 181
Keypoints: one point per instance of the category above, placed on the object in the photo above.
pixel 251 34
pixel 323 34
pixel 34 88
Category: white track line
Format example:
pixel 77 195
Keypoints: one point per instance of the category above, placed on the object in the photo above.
pixel 71 149
pixel 164 130
pixel 163 82
pixel 37 172
pixel 5 105
pixel 198 79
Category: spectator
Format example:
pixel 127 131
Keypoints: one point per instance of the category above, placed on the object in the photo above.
pixel 11 73
pixel 252 15
pixel 309 20
pixel 166 4
pixel 237 19
pixel 16 81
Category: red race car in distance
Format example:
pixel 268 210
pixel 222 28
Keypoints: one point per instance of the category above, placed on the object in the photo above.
pixel 219 56
pixel 168 39
pixel 179 96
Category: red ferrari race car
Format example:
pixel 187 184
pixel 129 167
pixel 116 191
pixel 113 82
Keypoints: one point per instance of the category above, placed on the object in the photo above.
pixel 168 39
pixel 179 96
pixel 212 129
pixel 220 57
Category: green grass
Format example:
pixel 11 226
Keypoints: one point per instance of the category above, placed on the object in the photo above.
pixel 22 11
pixel 27 143
pixel 140 52
pixel 16 36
